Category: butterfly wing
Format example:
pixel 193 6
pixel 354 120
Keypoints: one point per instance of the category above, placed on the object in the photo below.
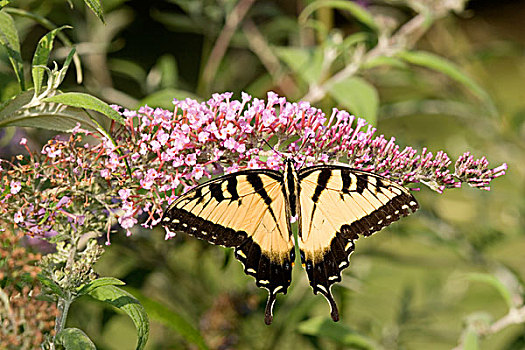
pixel 337 205
pixel 245 210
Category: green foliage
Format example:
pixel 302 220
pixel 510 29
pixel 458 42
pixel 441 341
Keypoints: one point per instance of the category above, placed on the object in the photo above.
pixel 333 54
pixel 442 65
pixel 159 313
pixel 80 100
pixel 324 327
pixel 9 40
pixel 357 11
pixel 74 339
pixel 358 96
pixel 126 302
pixel 43 49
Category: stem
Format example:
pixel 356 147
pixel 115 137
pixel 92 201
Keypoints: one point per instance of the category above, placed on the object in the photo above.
pixel 60 323
pixel 405 38
pixel 218 51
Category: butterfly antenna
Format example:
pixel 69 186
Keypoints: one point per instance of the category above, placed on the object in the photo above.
pixel 272 148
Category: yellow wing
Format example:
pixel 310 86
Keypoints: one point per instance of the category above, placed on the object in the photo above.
pixel 337 205
pixel 245 210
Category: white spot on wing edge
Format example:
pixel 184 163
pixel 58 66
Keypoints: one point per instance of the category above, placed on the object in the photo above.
pixel 331 278
pixel 250 270
pixel 264 281
pixel 241 254
pixel 412 203
pixel 321 287
pixel 343 264
pixel 278 288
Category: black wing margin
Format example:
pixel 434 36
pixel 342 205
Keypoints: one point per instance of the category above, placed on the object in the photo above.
pixel 245 210
pixel 339 204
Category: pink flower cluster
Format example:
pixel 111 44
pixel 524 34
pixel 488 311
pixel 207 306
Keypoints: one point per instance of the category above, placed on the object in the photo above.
pixel 157 154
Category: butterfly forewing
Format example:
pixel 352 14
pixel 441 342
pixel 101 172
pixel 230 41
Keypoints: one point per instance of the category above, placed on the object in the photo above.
pixel 338 204
pixel 245 210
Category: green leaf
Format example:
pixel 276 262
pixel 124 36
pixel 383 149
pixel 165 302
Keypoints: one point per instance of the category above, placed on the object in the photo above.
pixel 305 62
pixel 94 5
pixel 166 67
pixel 74 339
pixel 41 56
pixel 62 73
pixel 128 69
pixel 470 340
pixel 444 66
pixel 164 98
pixel 4 3
pixel 99 282
pixel 126 302
pixel 326 328
pixel 49 283
pixel 360 97
pixel 81 100
pixel 496 283
pixel 384 61
pixel 355 10
pixel 9 39
pixel 171 319
pixel 15 113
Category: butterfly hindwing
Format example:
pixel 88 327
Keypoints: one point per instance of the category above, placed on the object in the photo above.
pixel 245 210
pixel 338 204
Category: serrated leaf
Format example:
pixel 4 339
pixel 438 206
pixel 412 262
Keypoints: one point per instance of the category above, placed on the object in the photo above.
pixel 158 312
pixel 496 283
pixel 325 328
pixel 81 100
pixel 444 66
pixel 305 62
pixel 126 302
pixel 99 282
pixel 45 116
pixel 74 339
pixel 356 10
pixel 49 283
pixel 41 56
pixel 9 39
pixel 360 97
pixel 94 5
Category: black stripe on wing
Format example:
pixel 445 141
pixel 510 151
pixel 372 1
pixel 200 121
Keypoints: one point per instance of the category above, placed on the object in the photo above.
pixel 206 213
pixel 377 203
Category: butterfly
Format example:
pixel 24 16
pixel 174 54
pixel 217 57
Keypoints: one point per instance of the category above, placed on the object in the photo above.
pixel 252 211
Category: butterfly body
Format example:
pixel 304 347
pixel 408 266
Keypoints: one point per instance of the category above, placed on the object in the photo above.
pixel 252 211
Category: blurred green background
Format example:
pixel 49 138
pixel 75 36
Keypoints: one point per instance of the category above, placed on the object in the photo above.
pixel 411 286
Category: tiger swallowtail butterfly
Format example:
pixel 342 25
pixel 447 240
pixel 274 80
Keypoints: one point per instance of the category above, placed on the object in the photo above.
pixel 252 211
